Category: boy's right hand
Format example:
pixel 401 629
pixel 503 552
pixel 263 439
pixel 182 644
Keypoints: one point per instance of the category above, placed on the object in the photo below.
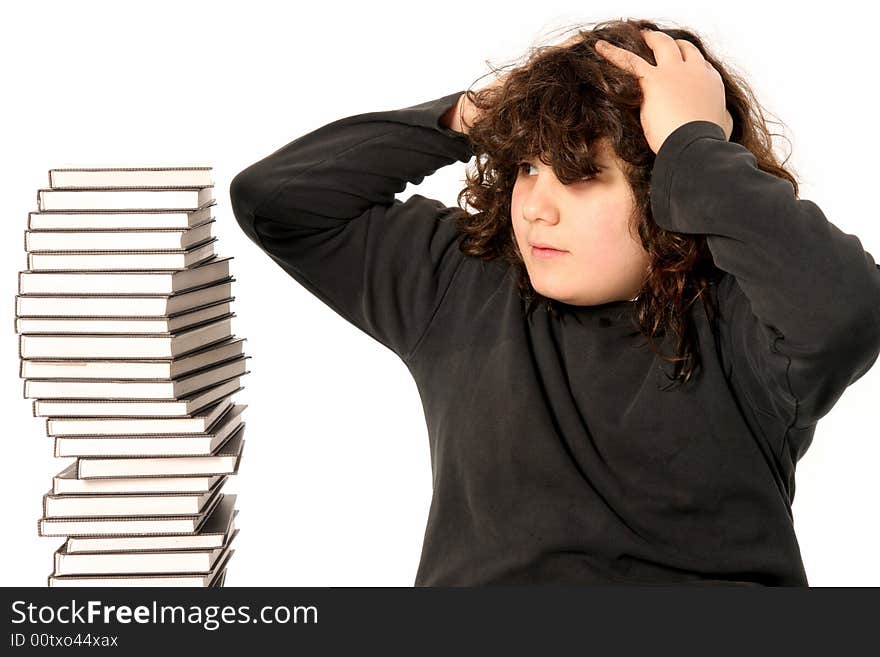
pixel 463 114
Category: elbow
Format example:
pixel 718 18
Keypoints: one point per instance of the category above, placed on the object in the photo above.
pixel 242 196
pixel 854 328
pixel 858 346
pixel 872 341
pixel 871 319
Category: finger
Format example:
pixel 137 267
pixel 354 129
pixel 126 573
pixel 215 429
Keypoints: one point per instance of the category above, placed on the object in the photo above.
pixel 713 69
pixel 666 50
pixel 689 52
pixel 623 58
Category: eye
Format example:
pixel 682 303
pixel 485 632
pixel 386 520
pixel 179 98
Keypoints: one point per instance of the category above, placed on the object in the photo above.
pixel 523 167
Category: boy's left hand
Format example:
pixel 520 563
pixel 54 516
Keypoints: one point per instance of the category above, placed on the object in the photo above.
pixel 682 87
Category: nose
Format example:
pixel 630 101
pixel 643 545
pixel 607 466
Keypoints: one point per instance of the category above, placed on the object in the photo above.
pixel 539 201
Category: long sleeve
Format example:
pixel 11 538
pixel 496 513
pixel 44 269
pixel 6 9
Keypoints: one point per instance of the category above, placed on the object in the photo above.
pixel 324 208
pixel 802 297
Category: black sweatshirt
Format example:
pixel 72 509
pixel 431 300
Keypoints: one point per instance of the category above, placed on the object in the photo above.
pixel 556 455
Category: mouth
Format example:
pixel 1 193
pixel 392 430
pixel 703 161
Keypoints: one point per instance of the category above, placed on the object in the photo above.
pixel 540 250
pixel 544 245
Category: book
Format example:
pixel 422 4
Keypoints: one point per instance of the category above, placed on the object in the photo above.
pixel 123 282
pixel 166 368
pixel 65 482
pixel 213 533
pixel 225 460
pixel 169 389
pixel 178 524
pixel 124 345
pixel 182 407
pixel 163 580
pixel 101 506
pixel 130 177
pixel 137 563
pixel 125 199
pixel 121 261
pixel 109 426
pixel 193 444
pixel 130 325
pixel 36 241
pixel 122 305
pixel 123 219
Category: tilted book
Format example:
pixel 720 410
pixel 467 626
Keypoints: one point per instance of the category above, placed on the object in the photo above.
pixel 193 444
pixel 213 533
pixel 182 407
pixel 225 460
pixel 144 368
pixel 111 426
pixel 124 199
pixel 130 177
pixel 101 506
pixel 138 563
pixel 121 305
pixel 66 483
pixel 123 282
pixel 122 219
pixel 205 580
pixel 117 240
pixel 120 260
pixel 122 389
pixel 178 524
pixel 130 325
pixel 125 345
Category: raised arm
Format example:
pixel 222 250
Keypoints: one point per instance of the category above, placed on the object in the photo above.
pixel 324 208
pixel 802 300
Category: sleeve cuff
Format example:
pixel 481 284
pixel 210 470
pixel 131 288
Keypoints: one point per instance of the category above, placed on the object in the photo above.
pixel 428 115
pixel 664 165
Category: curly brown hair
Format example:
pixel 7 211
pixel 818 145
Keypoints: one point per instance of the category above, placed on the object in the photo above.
pixel 556 106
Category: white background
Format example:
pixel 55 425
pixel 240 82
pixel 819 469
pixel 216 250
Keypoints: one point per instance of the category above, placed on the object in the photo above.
pixel 335 480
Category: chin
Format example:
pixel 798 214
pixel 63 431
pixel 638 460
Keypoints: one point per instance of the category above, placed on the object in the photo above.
pixel 550 293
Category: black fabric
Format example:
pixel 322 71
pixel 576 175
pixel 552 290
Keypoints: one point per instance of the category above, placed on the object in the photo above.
pixel 557 455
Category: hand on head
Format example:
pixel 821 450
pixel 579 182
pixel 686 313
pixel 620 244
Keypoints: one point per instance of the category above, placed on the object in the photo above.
pixel 682 87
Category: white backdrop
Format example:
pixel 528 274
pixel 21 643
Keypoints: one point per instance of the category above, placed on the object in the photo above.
pixel 335 480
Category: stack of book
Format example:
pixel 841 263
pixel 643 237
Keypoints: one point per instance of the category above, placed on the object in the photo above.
pixel 126 344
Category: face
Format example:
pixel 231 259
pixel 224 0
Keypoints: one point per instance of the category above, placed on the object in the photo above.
pixel 598 259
